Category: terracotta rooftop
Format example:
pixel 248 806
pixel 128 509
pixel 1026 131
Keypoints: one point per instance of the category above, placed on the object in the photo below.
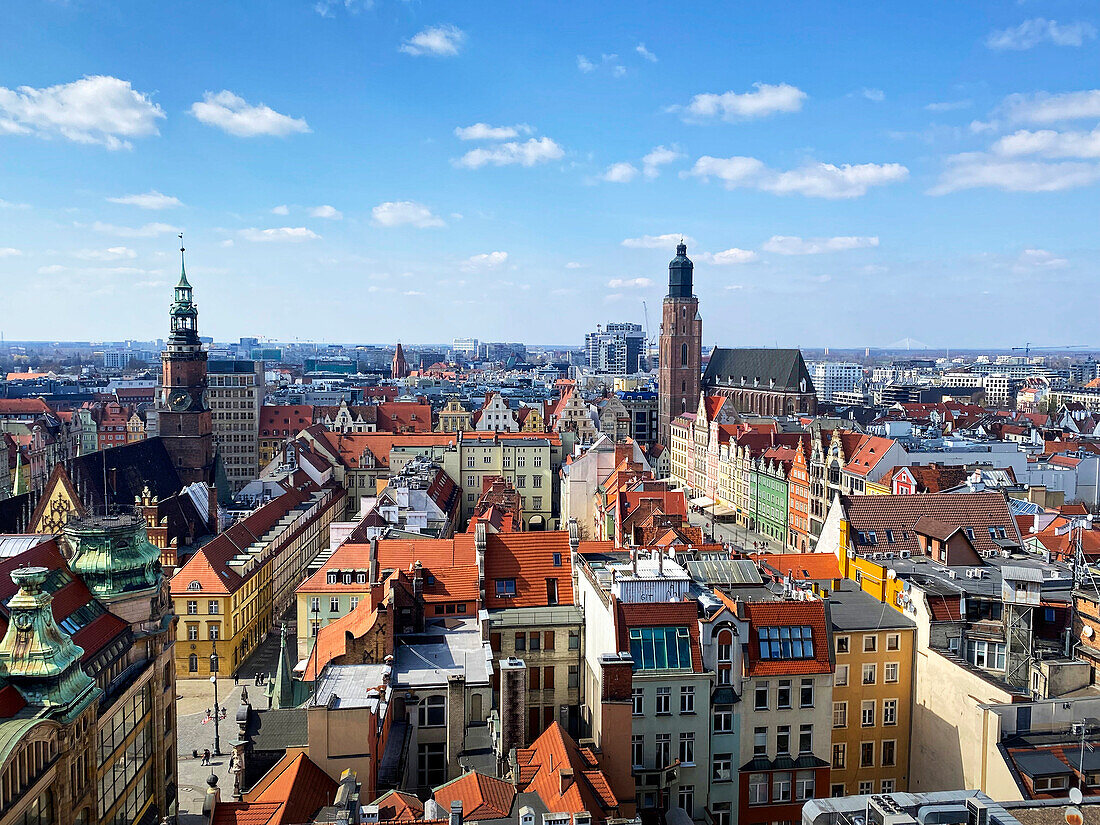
pixel 529 559
pixel 540 771
pixel 787 614
pixel 483 797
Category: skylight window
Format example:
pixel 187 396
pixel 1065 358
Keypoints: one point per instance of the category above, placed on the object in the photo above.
pixel 786 642
pixel 660 648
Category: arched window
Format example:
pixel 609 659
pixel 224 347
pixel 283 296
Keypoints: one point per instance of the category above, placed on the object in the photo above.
pixel 194 586
pixel 432 712
pixel 725 657
pixel 683 355
pixel 683 386
pixel 683 405
pixel 193 663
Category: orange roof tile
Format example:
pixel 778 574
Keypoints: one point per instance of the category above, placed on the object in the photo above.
pixel 787 614
pixel 483 797
pixel 529 558
pixel 398 806
pixel 289 794
pixel 540 771
pixel 811 566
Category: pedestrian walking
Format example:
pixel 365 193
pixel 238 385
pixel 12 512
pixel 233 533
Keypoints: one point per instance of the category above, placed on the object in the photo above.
pixel 206 756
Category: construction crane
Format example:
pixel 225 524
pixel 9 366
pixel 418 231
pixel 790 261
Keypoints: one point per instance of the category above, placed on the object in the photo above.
pixel 1027 348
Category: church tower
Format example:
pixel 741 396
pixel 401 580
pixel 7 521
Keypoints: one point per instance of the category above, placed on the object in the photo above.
pixel 186 424
pixel 681 347
pixel 400 368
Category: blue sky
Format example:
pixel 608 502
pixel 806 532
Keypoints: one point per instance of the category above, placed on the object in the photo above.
pixel 847 174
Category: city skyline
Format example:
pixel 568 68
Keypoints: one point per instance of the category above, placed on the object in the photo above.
pixel 393 155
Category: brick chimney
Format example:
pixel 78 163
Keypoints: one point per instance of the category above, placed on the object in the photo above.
pixel 615 726
pixel 373 561
pixel 513 708
pixel 456 723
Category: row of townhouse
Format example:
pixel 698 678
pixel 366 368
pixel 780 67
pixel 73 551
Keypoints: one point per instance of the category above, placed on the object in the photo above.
pixel 745 696
pixel 779 484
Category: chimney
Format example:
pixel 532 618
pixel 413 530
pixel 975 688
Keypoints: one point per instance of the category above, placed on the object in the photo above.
pixel 513 708
pixel 613 727
pixel 456 813
pixel 660 562
pixel 373 560
pixel 456 724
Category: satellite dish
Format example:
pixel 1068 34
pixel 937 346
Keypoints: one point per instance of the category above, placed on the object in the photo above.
pixel 1075 796
pixel 1088 632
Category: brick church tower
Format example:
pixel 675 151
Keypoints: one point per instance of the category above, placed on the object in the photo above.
pixel 186 424
pixel 681 347
pixel 400 368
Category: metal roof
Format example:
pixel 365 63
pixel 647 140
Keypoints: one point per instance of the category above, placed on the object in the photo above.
pixel 724 571
pixel 1039 763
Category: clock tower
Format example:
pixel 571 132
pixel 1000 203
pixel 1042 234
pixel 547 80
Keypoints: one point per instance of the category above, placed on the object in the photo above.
pixel 186 424
pixel 681 347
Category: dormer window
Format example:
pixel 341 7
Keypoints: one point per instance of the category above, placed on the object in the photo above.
pixel 194 586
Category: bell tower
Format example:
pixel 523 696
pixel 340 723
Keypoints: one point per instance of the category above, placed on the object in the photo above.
pixel 681 345
pixel 186 424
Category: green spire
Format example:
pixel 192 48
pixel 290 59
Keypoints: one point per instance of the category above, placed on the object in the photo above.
pixel 36 657
pixel 183 269
pixel 285 691
pixel 20 485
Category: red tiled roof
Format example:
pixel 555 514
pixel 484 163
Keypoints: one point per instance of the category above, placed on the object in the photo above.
pixel 944 608
pixel 540 771
pixel 806 566
pixel 209 566
pixel 398 806
pixel 787 614
pixel 529 559
pixel 868 453
pixel 277 419
pixel 291 793
pixel 900 514
pixel 660 614
pixel 332 639
pixel 452 584
pixel 483 797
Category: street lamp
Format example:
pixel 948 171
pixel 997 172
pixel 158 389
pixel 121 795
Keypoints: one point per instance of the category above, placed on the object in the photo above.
pixel 217 709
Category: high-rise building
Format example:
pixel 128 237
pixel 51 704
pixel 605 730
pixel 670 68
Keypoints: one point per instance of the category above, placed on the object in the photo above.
pixel 235 397
pixel 831 377
pixel 681 345
pixel 184 420
pixel 615 349
pixel 466 347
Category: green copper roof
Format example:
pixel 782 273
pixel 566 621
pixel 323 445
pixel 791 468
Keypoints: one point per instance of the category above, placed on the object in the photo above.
pixel 113 554
pixel 36 657
pixel 285 691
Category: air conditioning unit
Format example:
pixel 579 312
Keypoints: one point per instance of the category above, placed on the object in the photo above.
pixel 904 554
pixel 851 554
pixel 888 555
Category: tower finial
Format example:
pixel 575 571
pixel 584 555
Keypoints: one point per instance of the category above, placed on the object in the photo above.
pixel 183 267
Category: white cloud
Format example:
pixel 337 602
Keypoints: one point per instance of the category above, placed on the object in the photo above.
pixel 876 95
pixel 411 293
pixel 149 200
pixel 293 234
pixel 974 170
pixel 435 41
pixel 732 256
pixel 584 64
pixel 1039 31
pixel 622 172
pixel 574 265
pixel 9 205
pixel 794 245
pixel 9 252
pixel 949 105
pixel 52 269
pixel 607 61
pixel 280 210
pixel 814 180
pixel 326 211
pixel 483 131
pixel 327 8
pixel 1032 259
pixel 405 213
pixel 114 253
pixel 236 116
pixel 228 242
pixel 1048 108
pixel 529 153
pixel 668 241
pixel 630 283
pixel 658 157
pixel 96 109
pixel 1050 144
pixel 767 100
pixel 645 53
pixel 149 230
pixel 486 260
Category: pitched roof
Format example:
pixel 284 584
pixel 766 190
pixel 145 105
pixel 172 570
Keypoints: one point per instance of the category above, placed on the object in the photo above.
pixel 787 613
pixel 483 797
pixel 900 515
pixel 399 806
pixel 291 793
pixel 332 639
pixel 540 771
pixel 805 566
pixel 761 368
pixel 529 559
pixel 277 419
